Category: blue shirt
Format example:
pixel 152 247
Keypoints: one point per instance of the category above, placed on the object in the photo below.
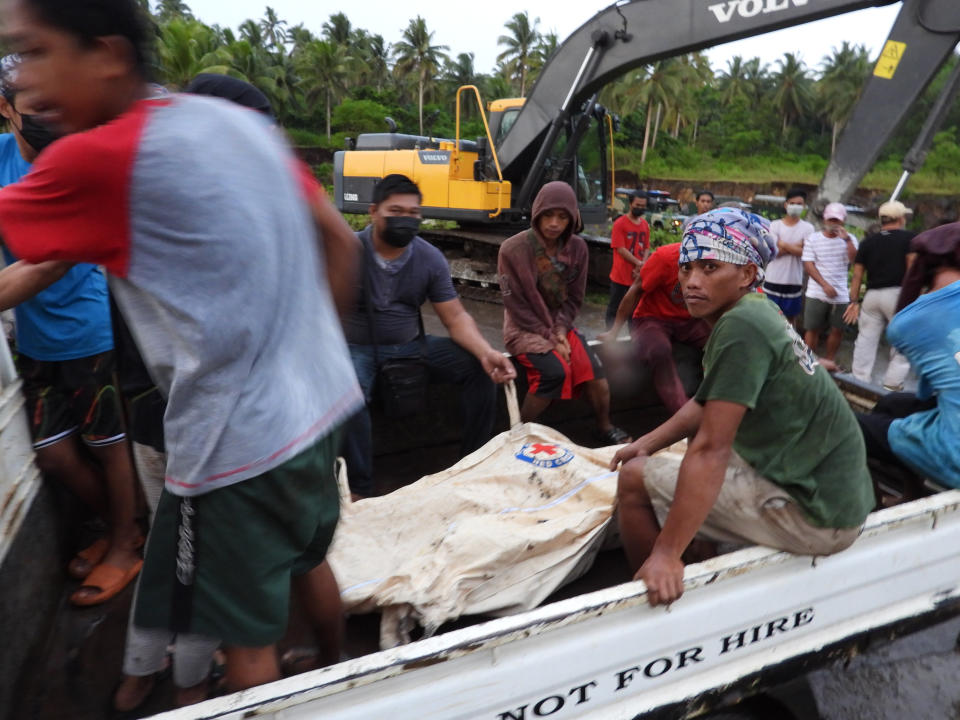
pixel 71 318
pixel 927 332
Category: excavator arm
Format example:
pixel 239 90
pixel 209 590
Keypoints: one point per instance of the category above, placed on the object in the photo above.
pixel 630 34
pixel 922 38
pixel 627 35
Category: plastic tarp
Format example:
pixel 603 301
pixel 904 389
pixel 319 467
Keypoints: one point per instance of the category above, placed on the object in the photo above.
pixel 494 534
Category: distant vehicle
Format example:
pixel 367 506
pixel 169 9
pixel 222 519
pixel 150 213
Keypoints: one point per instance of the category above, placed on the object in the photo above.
pixel 663 212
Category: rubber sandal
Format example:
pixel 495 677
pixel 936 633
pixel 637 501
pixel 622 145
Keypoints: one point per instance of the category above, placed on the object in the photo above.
pixel 110 579
pixel 93 554
pixel 613 436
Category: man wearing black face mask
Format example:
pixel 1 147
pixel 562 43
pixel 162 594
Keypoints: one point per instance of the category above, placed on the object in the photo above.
pixel 400 272
pixel 630 242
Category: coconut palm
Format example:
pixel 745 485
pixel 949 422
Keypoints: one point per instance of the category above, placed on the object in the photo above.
pixel 696 73
pixel 186 48
pixel 324 68
pixel 742 80
pixel 546 47
pixel 298 36
pixel 338 29
pixel 841 83
pixel 251 32
pixel 377 58
pixel 520 45
pixel 793 96
pixel 171 9
pixel 417 56
pixel 273 28
pixel 662 83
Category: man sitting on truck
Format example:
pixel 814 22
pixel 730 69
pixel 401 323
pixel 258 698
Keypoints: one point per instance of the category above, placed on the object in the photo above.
pixel 400 271
pixel 775 456
pixel 660 318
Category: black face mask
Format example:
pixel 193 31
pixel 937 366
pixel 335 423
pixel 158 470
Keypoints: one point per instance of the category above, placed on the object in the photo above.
pixel 37 135
pixel 401 230
pixel 636 211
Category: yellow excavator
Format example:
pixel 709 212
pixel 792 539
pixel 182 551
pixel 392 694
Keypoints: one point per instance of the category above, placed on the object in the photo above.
pixel 560 132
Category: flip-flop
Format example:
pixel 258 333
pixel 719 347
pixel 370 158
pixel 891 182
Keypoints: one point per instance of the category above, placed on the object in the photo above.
pixel 92 554
pixel 109 579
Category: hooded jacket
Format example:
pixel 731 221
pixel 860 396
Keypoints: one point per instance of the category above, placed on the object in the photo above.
pixel 529 324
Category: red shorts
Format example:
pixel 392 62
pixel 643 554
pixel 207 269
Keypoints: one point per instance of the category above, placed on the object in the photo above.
pixel 548 375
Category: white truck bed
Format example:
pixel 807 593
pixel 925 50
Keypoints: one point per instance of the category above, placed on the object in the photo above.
pixel 608 654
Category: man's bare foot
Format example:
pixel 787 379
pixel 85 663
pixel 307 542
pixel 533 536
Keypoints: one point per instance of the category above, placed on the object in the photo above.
pixel 132 692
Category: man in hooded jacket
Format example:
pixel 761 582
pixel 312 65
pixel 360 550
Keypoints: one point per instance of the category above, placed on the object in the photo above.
pixel 543 277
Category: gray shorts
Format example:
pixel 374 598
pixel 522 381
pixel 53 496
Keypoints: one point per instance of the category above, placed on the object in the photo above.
pixel 749 510
pixel 818 314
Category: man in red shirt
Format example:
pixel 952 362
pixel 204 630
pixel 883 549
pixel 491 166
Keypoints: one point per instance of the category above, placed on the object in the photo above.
pixel 660 318
pixel 630 242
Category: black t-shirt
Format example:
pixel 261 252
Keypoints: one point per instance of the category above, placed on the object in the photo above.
pixel 884 257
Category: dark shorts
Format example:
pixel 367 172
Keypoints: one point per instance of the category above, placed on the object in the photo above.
pixel 818 314
pixel 547 375
pixel 72 396
pixel 220 564
pixel 789 298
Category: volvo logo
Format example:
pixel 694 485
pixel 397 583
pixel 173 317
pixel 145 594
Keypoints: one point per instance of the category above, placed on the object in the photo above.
pixel 749 8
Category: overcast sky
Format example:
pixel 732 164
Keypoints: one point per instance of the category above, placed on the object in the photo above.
pixel 477 30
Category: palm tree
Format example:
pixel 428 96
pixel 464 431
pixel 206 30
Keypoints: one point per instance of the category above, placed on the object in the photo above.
pixel 733 81
pixel 841 83
pixel 251 32
pixel 520 45
pixel 696 73
pixel 378 60
pixel 793 96
pixel 298 36
pixel 656 86
pixel 742 80
pixel 170 9
pixel 338 29
pixel 273 29
pixel 415 55
pixel 186 48
pixel 324 69
pixel 460 72
pixel 546 47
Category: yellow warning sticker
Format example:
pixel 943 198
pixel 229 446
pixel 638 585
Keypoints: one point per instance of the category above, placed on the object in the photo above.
pixel 889 59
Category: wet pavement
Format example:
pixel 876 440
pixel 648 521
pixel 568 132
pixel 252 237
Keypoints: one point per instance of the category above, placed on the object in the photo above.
pixel 73 673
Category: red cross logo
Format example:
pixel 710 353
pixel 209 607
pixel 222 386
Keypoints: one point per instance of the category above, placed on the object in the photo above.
pixel 538 448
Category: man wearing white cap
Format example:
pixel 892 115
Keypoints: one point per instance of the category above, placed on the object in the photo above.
pixel 827 255
pixel 885 256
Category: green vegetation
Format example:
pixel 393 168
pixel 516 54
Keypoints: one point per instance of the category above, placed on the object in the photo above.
pixel 680 118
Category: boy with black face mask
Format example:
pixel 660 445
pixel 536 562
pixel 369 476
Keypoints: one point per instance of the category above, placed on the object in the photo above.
pixel 66 359
pixel 400 272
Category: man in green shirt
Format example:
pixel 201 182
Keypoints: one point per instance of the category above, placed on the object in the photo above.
pixel 775 456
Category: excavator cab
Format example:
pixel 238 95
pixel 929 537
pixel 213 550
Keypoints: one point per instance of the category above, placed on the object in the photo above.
pixel 463 180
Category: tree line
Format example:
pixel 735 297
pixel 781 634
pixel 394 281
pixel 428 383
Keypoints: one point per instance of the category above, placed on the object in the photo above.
pixel 344 80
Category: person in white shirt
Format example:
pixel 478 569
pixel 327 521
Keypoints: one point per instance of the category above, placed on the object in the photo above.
pixel 784 277
pixel 827 255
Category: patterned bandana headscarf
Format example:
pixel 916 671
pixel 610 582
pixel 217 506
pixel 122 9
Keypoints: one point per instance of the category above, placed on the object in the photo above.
pixel 729 235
